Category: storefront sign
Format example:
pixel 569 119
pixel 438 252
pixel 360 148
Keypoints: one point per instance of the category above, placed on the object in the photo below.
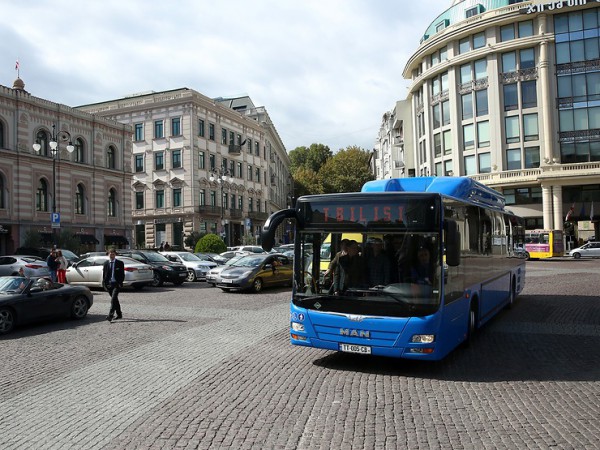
pixel 541 6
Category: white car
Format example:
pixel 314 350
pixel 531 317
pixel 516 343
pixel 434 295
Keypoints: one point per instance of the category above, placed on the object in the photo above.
pixel 589 250
pixel 88 272
pixel 197 268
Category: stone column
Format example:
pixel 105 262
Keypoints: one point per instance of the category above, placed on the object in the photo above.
pixel 557 207
pixel 547 206
pixel 545 96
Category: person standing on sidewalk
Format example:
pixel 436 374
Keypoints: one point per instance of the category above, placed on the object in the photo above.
pixel 62 267
pixel 53 265
pixel 113 275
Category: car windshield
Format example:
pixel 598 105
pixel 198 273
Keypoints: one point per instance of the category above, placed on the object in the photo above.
pixel 13 285
pixel 188 257
pixel 248 261
pixel 69 254
pixel 155 257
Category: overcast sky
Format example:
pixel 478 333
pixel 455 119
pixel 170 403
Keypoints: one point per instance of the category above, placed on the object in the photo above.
pixel 325 70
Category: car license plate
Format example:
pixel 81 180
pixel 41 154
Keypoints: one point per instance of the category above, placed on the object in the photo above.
pixel 224 280
pixel 183 274
pixel 352 348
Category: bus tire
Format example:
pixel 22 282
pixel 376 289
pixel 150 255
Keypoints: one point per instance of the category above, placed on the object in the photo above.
pixel 512 295
pixel 472 323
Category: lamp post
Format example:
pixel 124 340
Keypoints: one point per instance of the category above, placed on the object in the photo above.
pixel 220 176
pixel 54 150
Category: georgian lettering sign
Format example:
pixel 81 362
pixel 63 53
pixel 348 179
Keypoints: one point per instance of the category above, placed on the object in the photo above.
pixel 541 6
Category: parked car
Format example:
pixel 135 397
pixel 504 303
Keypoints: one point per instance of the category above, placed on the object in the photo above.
pixel 225 256
pixel 26 300
pixel 90 254
pixel 208 257
pixel 88 272
pixel 589 250
pixel 44 252
pixel 164 270
pixel 248 249
pixel 32 266
pixel 212 275
pixel 196 267
pixel 253 272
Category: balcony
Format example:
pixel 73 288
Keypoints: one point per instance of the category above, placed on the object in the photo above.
pixel 235 149
pixel 209 209
pixel 254 215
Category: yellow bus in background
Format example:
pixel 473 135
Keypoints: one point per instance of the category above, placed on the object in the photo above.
pixel 544 243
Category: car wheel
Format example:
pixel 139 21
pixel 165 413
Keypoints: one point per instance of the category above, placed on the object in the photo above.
pixel 7 320
pixel 257 285
pixel 79 308
pixel 576 255
pixel 191 275
pixel 157 280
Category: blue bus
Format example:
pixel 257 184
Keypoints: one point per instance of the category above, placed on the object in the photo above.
pixel 436 260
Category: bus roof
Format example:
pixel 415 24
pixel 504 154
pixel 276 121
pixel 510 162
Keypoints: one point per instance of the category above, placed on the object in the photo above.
pixel 462 188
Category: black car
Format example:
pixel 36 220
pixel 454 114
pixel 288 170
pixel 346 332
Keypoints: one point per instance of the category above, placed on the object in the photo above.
pixel 26 300
pixel 164 269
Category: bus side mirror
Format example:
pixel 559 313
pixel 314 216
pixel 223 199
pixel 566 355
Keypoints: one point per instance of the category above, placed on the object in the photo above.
pixel 452 243
pixel 267 236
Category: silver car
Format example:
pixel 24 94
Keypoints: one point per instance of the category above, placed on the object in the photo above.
pixel 213 274
pixel 88 272
pixel 32 266
pixel 589 250
pixel 197 267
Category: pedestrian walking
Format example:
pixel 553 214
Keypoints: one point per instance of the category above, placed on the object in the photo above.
pixel 113 275
pixel 62 267
pixel 53 265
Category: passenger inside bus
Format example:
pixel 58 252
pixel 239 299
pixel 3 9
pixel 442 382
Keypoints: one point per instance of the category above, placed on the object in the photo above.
pixel 421 271
pixel 350 272
pixel 378 263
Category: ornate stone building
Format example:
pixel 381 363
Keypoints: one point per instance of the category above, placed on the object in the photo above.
pixel 200 164
pixel 82 187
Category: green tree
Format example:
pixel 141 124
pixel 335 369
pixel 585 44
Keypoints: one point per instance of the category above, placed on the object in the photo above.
pixel 346 171
pixel 210 243
pixel 190 240
pixel 307 182
pixel 311 158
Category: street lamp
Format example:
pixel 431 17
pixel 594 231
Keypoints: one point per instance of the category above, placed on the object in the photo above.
pixel 37 147
pixel 221 176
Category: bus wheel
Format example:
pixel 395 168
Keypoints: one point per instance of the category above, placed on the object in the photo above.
pixel 511 295
pixel 472 325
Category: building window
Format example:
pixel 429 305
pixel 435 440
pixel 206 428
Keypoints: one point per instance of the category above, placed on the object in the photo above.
pixel 526 28
pixel 80 200
pixel 249 173
pixel 176 126
pixel 250 205
pixel 467 105
pixel 79 151
pixel 511 125
pixel 528 94
pixel 483 134
pixel 158 129
pixel 159 161
pixel 201 160
pixel 480 69
pixel 257 148
pixel 479 40
pixel 211 131
pixel 468 137
pixel 448 168
pixel 213 198
pixel 241 202
pixel 202 197
pixel 438 169
pixel 249 145
pixel 200 127
pixel 177 197
pixel 509 62
pixel 437 145
pixel 231 137
pixel 212 162
pixel 446 112
pixel 112 203
pixel 42 138
pixel 527 58
pixel 176 158
pixel 532 157
pixel 481 102
pixel 523 196
pixel 224 136
pixel 139 132
pixel 530 127
pixel 139 163
pixel 239 170
pixel 511 98
pixel 464 45
pixel 41 196
pixel 513 159
pixel 447 142
pixel 257 173
pixel 111 157
pixel 139 200
pixel 437 116
pixel 465 74
pixel 485 163
pixel 507 33
pixel 470 165
pixel 160 199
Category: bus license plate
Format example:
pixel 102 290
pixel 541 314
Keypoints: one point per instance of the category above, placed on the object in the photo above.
pixel 351 348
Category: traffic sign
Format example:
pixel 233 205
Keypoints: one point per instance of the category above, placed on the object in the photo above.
pixel 55 220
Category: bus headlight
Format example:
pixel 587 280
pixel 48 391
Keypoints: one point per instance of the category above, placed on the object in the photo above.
pixel 423 338
pixel 297 326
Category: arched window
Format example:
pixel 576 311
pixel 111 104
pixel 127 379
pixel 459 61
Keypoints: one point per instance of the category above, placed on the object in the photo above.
pixel 2 188
pixel 41 196
pixel 80 199
pixel 112 203
pixel 79 150
pixel 43 139
pixel 111 157
pixel 2 132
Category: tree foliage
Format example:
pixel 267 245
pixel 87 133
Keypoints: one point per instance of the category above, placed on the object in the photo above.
pixel 210 243
pixel 190 240
pixel 346 171
pixel 311 158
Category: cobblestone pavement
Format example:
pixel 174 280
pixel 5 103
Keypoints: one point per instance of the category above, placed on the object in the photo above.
pixel 193 367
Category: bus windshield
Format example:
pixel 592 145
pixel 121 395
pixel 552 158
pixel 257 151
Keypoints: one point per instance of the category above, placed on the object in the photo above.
pixel 370 273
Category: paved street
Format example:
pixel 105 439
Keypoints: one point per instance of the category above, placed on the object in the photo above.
pixel 192 367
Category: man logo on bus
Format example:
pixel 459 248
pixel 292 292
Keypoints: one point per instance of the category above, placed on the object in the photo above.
pixel 355 333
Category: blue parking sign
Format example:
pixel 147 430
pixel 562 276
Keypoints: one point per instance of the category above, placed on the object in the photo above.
pixel 55 220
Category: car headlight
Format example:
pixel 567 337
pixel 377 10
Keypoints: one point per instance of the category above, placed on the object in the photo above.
pixel 423 338
pixel 167 267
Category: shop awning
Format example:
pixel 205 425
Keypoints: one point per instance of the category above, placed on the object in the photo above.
pixel 88 239
pixel 115 240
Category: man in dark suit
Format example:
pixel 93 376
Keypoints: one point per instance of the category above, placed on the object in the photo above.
pixel 113 275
